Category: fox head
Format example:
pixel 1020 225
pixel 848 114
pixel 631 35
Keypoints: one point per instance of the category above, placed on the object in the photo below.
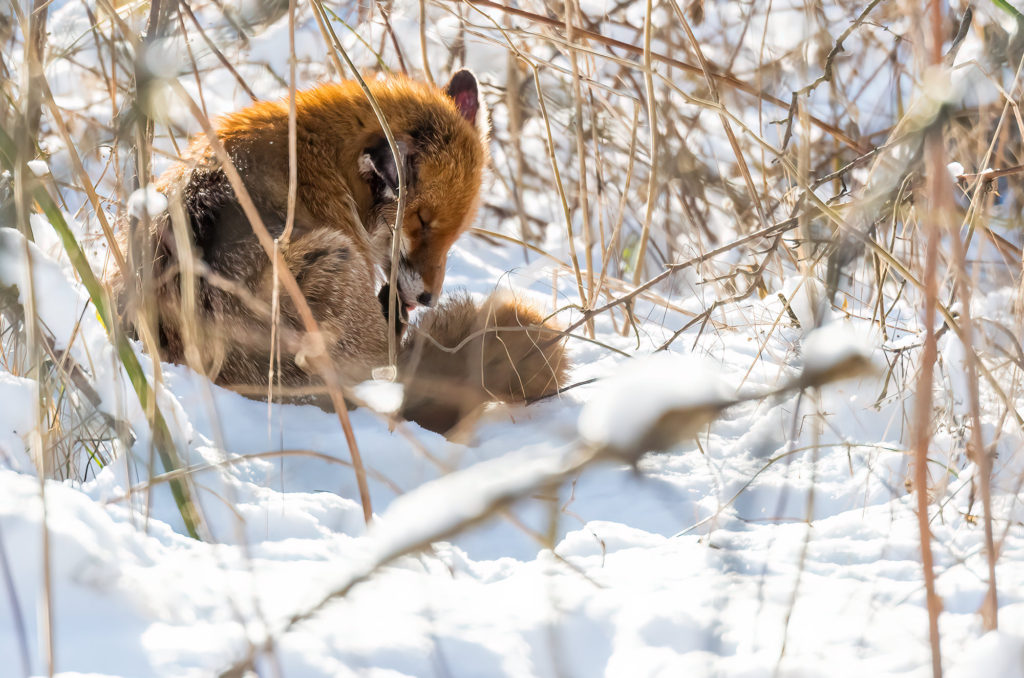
pixel 440 141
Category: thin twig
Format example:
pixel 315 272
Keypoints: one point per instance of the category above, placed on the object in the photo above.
pixel 826 75
pixel 216 51
pixel 723 78
pixel 652 122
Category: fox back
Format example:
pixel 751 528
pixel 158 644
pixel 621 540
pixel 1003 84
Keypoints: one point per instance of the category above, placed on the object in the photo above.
pixel 347 174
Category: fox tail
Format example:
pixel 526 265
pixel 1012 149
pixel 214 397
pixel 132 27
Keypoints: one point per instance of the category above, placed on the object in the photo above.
pixel 462 355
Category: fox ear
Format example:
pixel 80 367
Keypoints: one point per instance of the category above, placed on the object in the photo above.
pixel 377 166
pixel 463 91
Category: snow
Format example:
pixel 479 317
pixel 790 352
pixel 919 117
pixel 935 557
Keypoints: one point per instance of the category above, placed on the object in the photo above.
pixel 994 654
pixel 664 572
pixel 629 404
pixel 437 508
pixel 380 395
pixel 147 201
pixel 58 300
pixel 39 167
pixel 19 420
pixel 681 515
pixel 831 349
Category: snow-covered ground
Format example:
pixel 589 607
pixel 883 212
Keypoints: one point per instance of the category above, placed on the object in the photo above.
pixel 698 562
pixel 779 540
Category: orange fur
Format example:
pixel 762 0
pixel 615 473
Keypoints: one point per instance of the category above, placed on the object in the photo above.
pixel 223 327
pixel 335 125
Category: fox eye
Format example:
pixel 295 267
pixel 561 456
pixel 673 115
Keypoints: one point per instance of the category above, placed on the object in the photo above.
pixel 426 217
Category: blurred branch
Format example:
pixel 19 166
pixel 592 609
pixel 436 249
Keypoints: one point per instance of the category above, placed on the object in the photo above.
pixel 35 50
pixel 15 605
pixel 922 424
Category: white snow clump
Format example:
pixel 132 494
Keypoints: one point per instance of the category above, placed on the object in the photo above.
pixel 622 413
pixel 38 167
pixel 827 347
pixel 147 201
pixel 380 396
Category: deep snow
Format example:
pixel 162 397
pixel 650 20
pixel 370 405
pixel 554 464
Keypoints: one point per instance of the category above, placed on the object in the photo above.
pixel 698 562
pixel 781 541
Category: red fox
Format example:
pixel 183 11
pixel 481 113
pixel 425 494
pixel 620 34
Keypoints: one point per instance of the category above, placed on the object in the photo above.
pixel 213 306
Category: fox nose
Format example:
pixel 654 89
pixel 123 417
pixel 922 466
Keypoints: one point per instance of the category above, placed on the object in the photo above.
pixel 425 298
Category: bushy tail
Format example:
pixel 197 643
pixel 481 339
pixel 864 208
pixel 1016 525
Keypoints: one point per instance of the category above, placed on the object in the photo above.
pixel 462 355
